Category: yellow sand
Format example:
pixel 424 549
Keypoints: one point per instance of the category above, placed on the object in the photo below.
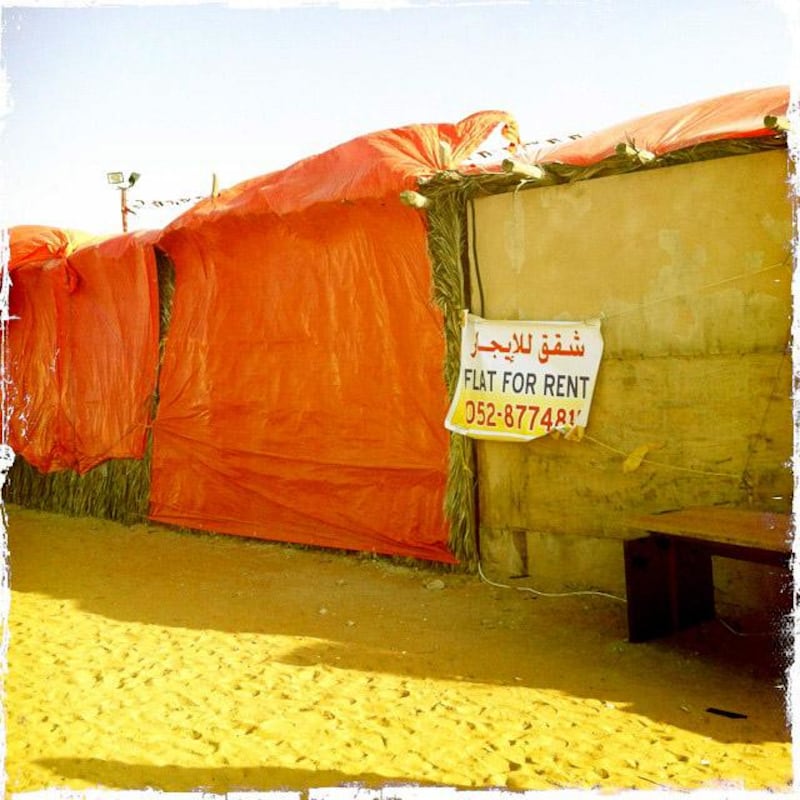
pixel 145 657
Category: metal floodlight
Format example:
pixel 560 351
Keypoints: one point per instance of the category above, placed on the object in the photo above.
pixel 134 176
pixel 115 178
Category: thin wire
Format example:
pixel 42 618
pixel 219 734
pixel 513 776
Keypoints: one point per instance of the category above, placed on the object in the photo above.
pixel 740 633
pixel 730 475
pixel 602 594
pixel 604 316
pixel 473 235
pixel 773 391
pixel 547 594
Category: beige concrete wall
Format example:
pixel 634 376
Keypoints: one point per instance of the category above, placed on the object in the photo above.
pixel 690 269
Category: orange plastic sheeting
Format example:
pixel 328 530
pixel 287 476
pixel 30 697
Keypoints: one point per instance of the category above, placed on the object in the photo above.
pixel 302 396
pixel 32 380
pixel 380 164
pixel 733 116
pixel 82 352
pixel 35 243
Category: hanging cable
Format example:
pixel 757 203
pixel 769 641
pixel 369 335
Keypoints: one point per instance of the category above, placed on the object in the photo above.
pixel 641 306
pixel 473 236
pixel 548 594
pixel 772 393
pixel 731 475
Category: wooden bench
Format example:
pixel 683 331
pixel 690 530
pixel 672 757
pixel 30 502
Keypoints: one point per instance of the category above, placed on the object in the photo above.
pixel 668 573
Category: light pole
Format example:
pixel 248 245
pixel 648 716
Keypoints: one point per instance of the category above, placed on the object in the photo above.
pixel 118 179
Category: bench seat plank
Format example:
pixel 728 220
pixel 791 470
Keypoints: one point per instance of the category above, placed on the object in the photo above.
pixel 669 574
pixel 764 530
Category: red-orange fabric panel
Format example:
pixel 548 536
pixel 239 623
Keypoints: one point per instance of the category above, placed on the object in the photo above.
pixel 30 244
pixel 82 350
pixel 31 369
pixel 376 165
pixel 733 116
pixel 302 397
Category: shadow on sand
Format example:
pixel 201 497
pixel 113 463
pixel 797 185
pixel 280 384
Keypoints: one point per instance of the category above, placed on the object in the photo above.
pixel 378 613
pixel 172 778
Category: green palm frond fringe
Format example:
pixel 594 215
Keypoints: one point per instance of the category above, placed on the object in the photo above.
pixel 447 240
pixel 117 489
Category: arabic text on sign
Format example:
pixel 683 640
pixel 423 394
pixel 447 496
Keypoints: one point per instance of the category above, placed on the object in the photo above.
pixel 522 344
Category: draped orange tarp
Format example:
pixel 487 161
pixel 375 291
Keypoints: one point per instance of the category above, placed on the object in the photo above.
pixel 36 243
pixel 739 115
pixel 82 346
pixel 302 395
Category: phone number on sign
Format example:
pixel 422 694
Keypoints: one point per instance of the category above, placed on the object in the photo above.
pixel 517 416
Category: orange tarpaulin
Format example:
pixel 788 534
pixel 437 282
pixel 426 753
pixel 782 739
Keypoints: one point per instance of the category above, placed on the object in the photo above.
pixel 35 243
pixel 302 394
pixel 733 116
pixel 82 347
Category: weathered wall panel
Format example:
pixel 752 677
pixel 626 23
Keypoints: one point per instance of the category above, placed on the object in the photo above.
pixel 690 269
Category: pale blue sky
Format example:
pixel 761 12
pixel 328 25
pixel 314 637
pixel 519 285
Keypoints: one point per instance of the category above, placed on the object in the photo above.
pixel 180 92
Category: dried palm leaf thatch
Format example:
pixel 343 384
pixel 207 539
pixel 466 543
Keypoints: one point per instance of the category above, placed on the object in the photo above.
pixel 446 245
pixel 165 272
pixel 627 158
pixel 118 489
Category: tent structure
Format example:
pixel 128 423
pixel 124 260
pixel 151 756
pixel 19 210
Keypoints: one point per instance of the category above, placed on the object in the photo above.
pixel 313 341
pixel 301 394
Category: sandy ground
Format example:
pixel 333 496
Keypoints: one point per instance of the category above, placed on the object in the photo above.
pixel 143 657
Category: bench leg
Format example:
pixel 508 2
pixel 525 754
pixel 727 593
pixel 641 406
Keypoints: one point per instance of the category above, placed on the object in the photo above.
pixel 694 584
pixel 647 588
pixel 669 586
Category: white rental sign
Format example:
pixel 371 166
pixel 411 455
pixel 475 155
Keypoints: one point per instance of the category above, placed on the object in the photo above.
pixel 522 380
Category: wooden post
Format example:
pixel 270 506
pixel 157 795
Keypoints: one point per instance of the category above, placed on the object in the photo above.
pixel 124 208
